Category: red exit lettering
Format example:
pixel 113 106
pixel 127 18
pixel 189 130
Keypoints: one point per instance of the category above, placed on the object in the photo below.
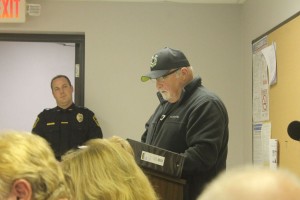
pixel 9 8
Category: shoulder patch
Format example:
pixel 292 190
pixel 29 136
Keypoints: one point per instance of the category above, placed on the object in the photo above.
pixel 36 121
pixel 95 120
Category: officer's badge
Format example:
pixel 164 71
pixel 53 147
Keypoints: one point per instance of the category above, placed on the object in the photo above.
pixel 79 117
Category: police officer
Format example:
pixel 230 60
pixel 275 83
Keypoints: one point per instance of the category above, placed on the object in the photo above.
pixel 66 126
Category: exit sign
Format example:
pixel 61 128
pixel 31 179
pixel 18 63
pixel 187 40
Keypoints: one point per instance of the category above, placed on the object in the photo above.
pixel 12 11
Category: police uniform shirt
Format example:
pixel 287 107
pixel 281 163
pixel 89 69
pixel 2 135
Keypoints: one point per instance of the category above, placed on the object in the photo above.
pixel 67 128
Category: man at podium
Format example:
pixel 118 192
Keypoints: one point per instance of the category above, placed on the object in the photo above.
pixel 190 120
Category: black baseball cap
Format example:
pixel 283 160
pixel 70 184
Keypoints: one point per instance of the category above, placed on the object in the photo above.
pixel 163 61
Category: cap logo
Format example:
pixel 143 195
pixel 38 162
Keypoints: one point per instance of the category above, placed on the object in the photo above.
pixel 154 61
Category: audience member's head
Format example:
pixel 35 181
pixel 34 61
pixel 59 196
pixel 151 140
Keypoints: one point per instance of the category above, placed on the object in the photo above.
pixel 253 183
pixel 124 143
pixel 105 170
pixel 28 169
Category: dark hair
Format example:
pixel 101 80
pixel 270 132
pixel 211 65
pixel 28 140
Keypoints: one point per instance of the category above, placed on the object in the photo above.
pixel 60 76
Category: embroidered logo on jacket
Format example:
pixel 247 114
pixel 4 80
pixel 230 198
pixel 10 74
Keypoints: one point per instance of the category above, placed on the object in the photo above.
pixel 174 117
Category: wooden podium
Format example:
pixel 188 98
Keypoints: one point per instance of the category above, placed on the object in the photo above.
pixel 168 188
pixel 162 167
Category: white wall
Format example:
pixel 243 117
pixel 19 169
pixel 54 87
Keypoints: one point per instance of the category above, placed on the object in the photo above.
pixel 26 69
pixel 121 38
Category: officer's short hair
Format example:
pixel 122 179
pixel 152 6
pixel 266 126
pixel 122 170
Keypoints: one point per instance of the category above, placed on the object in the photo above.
pixel 60 76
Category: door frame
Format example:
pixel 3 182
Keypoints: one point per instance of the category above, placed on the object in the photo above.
pixel 78 39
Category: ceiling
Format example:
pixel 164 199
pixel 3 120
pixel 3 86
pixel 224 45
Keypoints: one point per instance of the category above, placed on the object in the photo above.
pixel 178 1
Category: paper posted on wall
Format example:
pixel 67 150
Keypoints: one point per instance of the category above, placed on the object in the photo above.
pixel 273 153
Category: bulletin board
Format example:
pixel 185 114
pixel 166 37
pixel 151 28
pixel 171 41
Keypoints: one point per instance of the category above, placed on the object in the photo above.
pixel 283 102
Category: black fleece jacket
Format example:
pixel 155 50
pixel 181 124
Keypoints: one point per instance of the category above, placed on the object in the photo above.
pixel 195 126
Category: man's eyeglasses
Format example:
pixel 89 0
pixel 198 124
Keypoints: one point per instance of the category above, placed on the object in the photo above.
pixel 167 74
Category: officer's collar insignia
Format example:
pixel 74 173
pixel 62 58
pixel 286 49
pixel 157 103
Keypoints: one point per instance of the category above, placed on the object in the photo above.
pixel 79 117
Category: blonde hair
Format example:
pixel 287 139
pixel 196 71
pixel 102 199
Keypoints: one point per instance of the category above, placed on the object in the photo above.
pixel 124 143
pixel 104 170
pixel 27 156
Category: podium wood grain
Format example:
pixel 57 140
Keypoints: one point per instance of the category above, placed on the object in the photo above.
pixel 168 188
